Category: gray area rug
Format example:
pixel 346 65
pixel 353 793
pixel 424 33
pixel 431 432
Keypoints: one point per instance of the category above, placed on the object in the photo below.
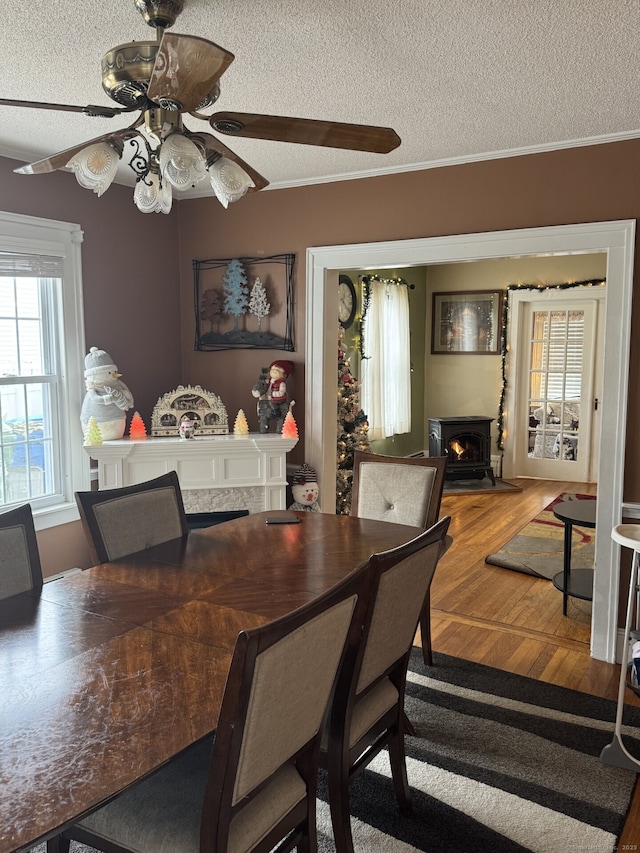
pixel 538 549
pixel 500 763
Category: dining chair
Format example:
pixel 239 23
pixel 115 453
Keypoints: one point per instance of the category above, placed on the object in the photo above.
pixel 405 491
pixel 20 568
pixel 118 522
pixel 367 711
pixel 255 786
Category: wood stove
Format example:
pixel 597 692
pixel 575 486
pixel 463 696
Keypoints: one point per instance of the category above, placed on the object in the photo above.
pixel 466 441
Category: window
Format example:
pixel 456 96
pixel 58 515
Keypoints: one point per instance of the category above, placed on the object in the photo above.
pixel 386 366
pixel 41 355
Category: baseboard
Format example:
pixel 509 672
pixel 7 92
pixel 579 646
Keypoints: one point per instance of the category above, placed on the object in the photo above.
pixel 64 574
pixel 630 510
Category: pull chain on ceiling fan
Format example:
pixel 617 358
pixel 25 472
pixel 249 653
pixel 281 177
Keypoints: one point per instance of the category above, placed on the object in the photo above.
pixel 161 81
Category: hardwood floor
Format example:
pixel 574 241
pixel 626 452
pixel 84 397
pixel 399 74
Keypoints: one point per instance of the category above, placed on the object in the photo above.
pixel 513 621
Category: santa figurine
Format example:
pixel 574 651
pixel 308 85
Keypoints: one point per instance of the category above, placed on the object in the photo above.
pixel 271 392
pixel 107 398
pixel 304 488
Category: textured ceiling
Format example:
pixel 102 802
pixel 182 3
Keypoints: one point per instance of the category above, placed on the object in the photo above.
pixel 457 79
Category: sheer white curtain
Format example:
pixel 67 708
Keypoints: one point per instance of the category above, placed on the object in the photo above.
pixel 386 366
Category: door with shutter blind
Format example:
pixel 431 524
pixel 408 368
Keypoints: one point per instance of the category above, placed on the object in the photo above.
pixel 557 409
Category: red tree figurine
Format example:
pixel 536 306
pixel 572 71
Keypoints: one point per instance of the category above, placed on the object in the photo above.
pixel 137 427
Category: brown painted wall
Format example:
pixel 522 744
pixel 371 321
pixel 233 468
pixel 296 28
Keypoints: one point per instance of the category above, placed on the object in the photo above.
pixel 131 298
pixel 587 184
pixel 138 278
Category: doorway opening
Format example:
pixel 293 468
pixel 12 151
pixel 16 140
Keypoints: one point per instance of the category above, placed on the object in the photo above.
pixel 616 239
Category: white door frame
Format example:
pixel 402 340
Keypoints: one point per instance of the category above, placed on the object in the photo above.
pixel 615 238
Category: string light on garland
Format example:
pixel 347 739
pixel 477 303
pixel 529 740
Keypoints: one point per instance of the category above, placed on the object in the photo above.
pixel 600 282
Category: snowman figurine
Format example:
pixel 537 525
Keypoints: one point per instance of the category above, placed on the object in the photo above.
pixel 107 398
pixel 304 488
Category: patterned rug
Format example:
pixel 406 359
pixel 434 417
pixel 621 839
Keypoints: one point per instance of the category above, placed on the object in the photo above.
pixel 500 763
pixel 538 548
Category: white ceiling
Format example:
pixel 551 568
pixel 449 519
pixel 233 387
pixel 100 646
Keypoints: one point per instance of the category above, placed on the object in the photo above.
pixel 457 79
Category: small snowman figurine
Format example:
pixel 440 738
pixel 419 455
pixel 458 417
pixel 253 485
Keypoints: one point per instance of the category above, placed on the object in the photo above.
pixel 107 398
pixel 305 489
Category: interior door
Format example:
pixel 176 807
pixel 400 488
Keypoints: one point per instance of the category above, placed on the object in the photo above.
pixel 557 379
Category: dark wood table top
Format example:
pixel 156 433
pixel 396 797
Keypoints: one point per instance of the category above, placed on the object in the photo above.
pixel 109 673
pixel 580 512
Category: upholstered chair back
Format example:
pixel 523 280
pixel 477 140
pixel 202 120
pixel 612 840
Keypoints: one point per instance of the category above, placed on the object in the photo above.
pixel 20 568
pixel 404 491
pixel 367 713
pixel 274 735
pixel 401 592
pixel 119 522
pixel 279 724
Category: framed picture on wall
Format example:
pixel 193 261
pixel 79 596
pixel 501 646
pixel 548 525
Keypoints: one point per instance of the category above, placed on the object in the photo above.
pixel 244 303
pixel 466 323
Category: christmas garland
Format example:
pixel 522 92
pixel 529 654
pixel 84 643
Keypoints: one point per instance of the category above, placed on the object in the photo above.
pixel 503 337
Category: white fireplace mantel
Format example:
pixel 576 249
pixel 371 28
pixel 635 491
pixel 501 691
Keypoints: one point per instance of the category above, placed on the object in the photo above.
pixel 215 472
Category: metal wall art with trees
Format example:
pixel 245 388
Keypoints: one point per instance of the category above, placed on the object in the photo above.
pixel 244 303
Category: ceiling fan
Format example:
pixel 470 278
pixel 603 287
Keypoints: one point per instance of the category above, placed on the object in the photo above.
pixel 162 81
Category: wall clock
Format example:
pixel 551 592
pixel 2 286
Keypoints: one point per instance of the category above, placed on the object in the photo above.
pixel 347 301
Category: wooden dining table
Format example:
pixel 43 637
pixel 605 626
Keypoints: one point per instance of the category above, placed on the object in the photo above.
pixel 108 673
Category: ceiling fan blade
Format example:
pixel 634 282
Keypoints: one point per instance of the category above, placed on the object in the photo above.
pixel 90 109
pixel 186 71
pixel 60 160
pixel 331 134
pixel 212 143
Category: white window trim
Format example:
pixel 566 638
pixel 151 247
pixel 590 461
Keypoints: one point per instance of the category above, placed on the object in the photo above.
pixel 33 235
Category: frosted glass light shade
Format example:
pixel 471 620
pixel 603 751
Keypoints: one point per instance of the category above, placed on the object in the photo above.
pixel 229 181
pixel 95 167
pixel 181 164
pixel 150 197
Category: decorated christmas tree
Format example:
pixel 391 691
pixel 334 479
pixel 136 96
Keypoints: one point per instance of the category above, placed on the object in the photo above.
pixel 353 428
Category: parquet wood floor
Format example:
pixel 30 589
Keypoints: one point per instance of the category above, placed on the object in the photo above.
pixel 510 620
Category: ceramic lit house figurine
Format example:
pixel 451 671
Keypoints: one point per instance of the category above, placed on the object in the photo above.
pixel 271 392
pixel 107 398
pixel 304 488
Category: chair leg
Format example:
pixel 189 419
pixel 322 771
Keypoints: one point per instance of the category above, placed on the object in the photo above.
pixel 305 844
pixel 338 779
pixel 409 728
pixel 398 763
pixel 58 844
pixel 425 632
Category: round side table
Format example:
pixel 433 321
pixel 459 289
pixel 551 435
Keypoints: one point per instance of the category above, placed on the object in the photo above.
pixel 579 582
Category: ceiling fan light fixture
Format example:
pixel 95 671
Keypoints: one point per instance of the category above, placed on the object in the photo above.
pixel 95 167
pixel 151 195
pixel 229 181
pixel 180 161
